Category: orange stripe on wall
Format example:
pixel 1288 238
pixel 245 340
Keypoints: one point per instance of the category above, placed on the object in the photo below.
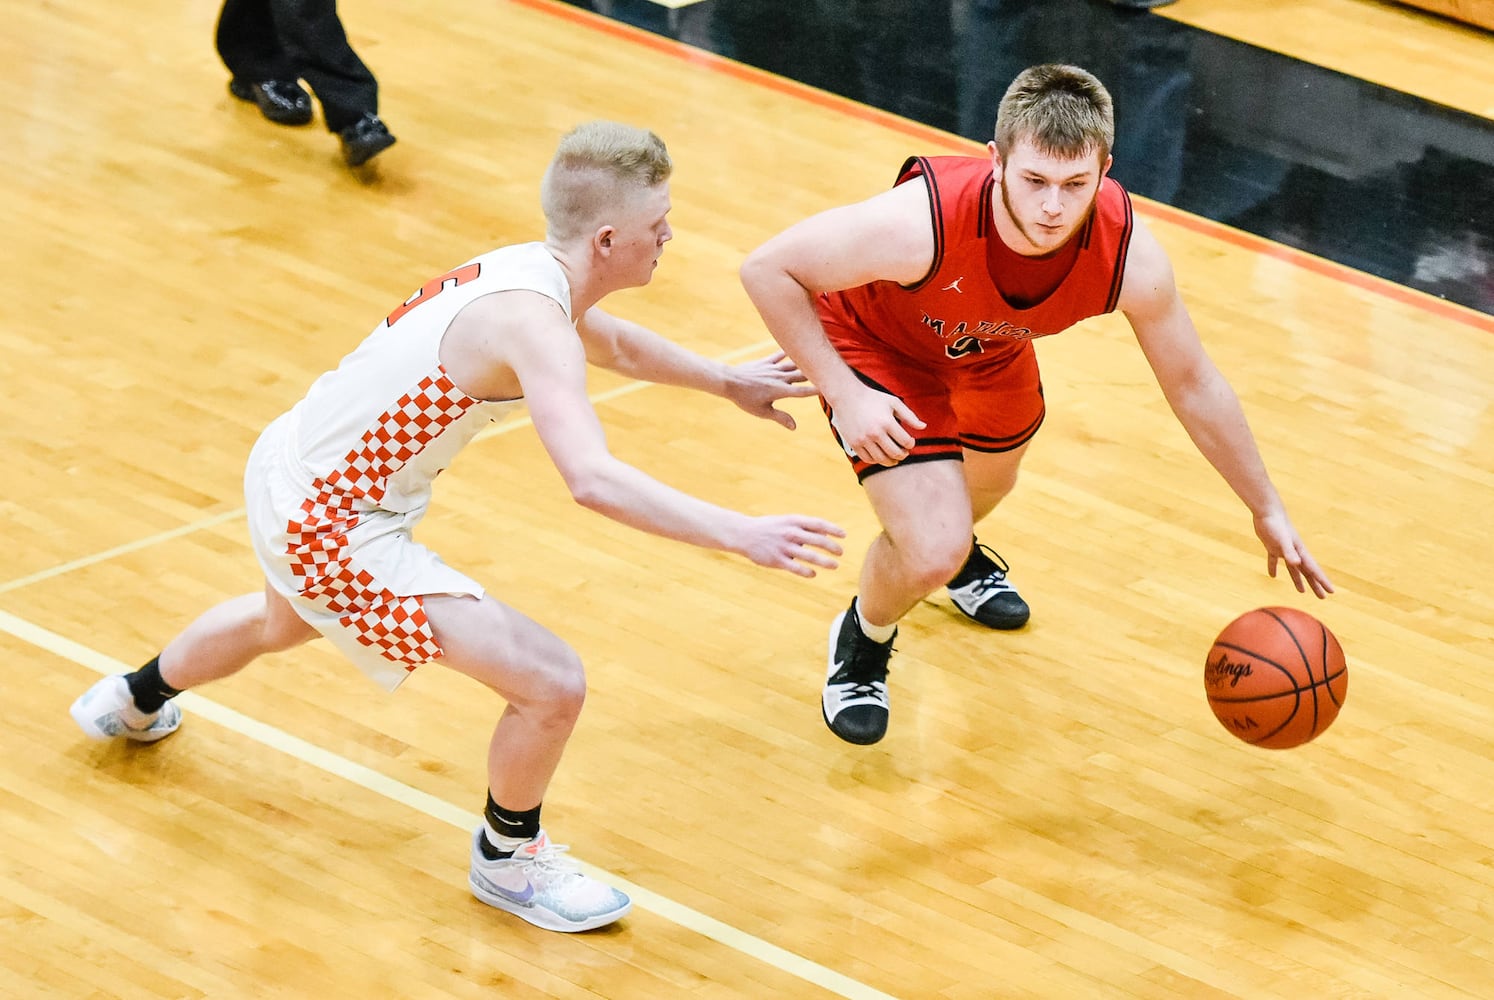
pixel 958 144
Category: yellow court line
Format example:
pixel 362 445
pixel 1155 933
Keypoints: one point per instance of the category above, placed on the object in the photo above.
pixel 440 809
pixel 213 521
pixel 121 550
pixel 396 791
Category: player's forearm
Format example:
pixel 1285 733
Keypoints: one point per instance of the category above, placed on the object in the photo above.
pixel 788 312
pixel 626 495
pixel 645 355
pixel 1212 415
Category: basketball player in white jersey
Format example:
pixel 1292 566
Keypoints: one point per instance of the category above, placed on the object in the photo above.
pixel 335 485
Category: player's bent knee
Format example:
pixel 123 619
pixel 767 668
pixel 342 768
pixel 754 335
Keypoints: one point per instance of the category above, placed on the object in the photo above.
pixel 558 684
pixel 937 561
pixel 561 692
pixel 569 683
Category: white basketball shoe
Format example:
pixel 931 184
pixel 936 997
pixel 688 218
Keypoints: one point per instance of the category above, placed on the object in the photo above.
pixel 107 710
pixel 537 884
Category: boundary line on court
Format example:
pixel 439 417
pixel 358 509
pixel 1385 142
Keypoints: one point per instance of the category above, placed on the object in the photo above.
pixel 381 784
pixel 213 520
pixel 121 550
pixel 702 59
pixel 439 809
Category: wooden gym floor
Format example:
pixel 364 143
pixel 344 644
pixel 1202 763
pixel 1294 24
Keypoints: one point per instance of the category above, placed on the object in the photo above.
pixel 1055 814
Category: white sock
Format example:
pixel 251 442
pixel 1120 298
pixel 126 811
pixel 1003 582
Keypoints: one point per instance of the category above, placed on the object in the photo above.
pixel 876 633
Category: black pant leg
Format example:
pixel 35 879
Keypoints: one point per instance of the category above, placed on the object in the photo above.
pixel 312 32
pixel 249 45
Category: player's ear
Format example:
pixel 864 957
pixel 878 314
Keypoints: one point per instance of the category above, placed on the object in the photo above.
pixel 1105 167
pixel 603 238
pixel 996 164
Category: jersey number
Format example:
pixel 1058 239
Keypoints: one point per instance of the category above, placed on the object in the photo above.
pixel 964 346
pixel 434 287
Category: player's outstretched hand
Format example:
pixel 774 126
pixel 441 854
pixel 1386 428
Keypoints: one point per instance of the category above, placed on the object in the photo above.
pixel 1284 545
pixel 756 385
pixel 792 542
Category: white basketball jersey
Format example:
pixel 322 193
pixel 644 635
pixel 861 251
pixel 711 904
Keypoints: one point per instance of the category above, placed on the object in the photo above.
pixel 384 422
pixel 335 485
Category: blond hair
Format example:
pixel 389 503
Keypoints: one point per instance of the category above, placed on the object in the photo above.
pixel 596 167
pixel 1063 110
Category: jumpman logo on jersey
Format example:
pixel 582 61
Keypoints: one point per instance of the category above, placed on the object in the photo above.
pixel 955 284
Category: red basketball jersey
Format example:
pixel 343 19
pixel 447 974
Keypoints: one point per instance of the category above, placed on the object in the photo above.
pixel 957 311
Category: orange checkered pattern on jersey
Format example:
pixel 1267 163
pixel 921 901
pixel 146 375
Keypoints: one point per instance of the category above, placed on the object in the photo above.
pixel 321 558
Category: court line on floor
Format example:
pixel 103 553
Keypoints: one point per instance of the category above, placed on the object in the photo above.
pixel 710 61
pixel 212 521
pixel 439 809
pixel 396 791
pixel 121 550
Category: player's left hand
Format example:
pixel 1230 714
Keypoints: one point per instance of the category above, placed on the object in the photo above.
pixel 756 385
pixel 1283 544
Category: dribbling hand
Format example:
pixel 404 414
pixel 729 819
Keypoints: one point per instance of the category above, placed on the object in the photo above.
pixel 1283 545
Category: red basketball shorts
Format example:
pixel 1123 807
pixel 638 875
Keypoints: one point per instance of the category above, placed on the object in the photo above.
pixel 984 402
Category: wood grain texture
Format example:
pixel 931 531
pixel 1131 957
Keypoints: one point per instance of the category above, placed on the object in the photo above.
pixel 1479 13
pixel 1388 43
pixel 1055 813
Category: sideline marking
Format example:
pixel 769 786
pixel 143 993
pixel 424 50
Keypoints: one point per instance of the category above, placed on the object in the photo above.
pixel 396 791
pixel 702 59
pixel 503 427
pixel 439 809
pixel 120 550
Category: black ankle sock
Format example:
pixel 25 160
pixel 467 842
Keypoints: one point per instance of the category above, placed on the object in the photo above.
pixel 148 689
pixel 508 823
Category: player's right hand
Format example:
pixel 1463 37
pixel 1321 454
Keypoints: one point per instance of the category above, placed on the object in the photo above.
pixel 793 542
pixel 874 426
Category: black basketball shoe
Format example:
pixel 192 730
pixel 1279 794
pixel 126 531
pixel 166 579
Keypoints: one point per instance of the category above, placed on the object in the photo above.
pixel 854 701
pixel 982 591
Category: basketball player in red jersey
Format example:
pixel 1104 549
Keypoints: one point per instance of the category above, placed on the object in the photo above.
pixel 913 313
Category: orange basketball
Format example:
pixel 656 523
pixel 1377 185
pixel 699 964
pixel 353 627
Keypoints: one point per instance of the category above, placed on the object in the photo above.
pixel 1276 677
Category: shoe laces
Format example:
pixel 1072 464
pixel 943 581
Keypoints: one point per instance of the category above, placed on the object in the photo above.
pixel 864 689
pixel 547 865
pixel 866 664
pixel 994 577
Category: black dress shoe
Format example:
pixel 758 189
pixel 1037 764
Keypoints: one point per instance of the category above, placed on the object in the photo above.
pixel 284 102
pixel 364 139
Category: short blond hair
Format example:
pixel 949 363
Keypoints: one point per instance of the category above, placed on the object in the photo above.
pixel 1064 111
pixel 596 166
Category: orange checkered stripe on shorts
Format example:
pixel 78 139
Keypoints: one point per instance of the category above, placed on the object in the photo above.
pixel 321 559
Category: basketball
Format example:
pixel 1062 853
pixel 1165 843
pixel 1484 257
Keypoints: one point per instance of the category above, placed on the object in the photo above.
pixel 1276 677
